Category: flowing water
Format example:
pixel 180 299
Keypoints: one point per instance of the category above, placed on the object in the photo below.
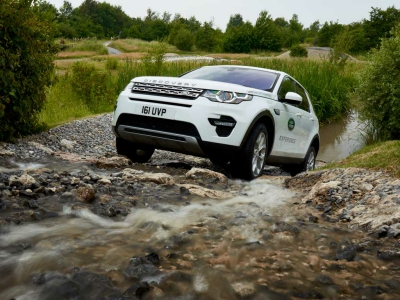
pixel 251 245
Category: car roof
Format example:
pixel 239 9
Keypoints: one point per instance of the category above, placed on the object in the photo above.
pixel 247 67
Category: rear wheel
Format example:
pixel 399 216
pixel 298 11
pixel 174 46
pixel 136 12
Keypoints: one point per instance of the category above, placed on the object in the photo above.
pixel 251 161
pixel 136 153
pixel 308 163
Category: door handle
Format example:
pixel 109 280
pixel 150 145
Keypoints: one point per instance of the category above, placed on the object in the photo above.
pixel 298 115
pixel 312 119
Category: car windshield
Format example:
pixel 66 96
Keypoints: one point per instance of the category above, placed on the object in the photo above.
pixel 258 79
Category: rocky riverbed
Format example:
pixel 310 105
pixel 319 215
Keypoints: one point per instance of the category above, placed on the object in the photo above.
pixel 79 222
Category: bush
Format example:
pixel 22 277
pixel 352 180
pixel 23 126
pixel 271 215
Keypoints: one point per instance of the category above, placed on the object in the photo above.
pixel 26 67
pixel 298 51
pixel 184 40
pixel 378 90
pixel 91 86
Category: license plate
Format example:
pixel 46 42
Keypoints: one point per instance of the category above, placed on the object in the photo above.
pixel 155 111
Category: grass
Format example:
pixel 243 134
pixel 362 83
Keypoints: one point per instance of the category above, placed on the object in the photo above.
pixel 85 48
pixel 384 156
pixel 135 45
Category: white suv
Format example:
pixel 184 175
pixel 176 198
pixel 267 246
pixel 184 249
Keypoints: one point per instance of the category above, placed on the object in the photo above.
pixel 243 115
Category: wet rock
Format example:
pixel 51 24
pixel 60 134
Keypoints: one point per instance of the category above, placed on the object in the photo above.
pixel 244 289
pixel 104 181
pixel 138 289
pixel 95 286
pixel 349 253
pixel 86 194
pixel 393 284
pixel 32 204
pixel 196 173
pixel 394 230
pixel 141 266
pixel 205 192
pixel 113 162
pixel 323 279
pixel 389 254
pixel 60 290
pixel 313 219
pixel 28 194
pixel 4 152
pixel 311 294
pixel 158 178
pixel 75 181
pixel 67 196
pixel 2 186
pixel 39 279
pixel 282 226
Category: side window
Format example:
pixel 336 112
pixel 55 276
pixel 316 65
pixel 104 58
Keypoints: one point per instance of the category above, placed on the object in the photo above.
pixel 287 85
pixel 304 105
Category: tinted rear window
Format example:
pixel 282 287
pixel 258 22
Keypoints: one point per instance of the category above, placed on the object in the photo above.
pixel 257 79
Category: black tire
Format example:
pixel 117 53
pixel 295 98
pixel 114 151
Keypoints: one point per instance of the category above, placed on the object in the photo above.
pixel 243 165
pixel 136 153
pixel 308 163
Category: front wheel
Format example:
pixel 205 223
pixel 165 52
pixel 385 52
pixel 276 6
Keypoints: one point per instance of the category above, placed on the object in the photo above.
pixel 136 153
pixel 251 160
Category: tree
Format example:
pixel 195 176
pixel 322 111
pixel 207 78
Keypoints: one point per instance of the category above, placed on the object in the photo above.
pixel 267 35
pixel 379 24
pixel 234 21
pixel 239 39
pixel 27 52
pixel 328 32
pixel 66 10
pixel 378 89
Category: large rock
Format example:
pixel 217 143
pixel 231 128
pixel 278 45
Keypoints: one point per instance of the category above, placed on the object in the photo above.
pixel 321 189
pixel 86 194
pixel 113 162
pixel 24 179
pixel 159 178
pixel 196 173
pixel 205 192
pixel 140 267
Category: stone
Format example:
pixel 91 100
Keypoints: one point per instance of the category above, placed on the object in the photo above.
pixel 104 181
pixel 86 194
pixel 158 178
pixel 24 179
pixel 113 162
pixel 205 192
pixel 75 181
pixel 208 174
pixel 6 153
pixel 394 230
pixel 67 144
pixel 140 267
pixel 244 289
pixel 138 289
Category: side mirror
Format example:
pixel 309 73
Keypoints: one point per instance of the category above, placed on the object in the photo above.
pixel 293 98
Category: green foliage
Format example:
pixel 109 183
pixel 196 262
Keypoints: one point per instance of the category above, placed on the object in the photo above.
pixel 153 61
pixel 267 35
pixel 298 51
pixel 89 45
pixel 90 85
pixel 184 40
pixel 328 32
pixel 378 90
pixel 111 64
pixel 239 39
pixel 26 65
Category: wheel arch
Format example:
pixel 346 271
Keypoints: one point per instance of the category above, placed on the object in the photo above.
pixel 267 119
pixel 315 143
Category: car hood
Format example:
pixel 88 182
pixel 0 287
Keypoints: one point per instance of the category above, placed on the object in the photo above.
pixel 202 84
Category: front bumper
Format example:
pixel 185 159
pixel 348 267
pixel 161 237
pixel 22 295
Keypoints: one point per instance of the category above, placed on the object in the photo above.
pixel 162 134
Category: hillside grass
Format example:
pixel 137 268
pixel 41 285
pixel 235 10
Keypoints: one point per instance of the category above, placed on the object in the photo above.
pixel 384 156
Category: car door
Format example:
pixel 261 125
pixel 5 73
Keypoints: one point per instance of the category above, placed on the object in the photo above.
pixel 308 119
pixel 288 130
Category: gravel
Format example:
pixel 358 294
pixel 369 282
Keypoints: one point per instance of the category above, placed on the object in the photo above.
pixel 88 137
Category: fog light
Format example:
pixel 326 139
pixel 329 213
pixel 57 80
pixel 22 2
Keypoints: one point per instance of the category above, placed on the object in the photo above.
pixel 222 123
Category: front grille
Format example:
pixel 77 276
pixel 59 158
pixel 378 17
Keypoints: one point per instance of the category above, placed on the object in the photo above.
pixel 184 92
pixel 158 124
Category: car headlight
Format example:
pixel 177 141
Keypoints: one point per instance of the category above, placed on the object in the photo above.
pixel 226 97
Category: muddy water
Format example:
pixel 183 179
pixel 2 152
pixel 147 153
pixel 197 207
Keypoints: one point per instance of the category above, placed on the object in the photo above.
pixel 340 138
pixel 254 245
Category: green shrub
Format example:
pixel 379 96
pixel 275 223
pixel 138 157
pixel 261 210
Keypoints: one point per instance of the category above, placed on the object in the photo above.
pixel 184 40
pixel 91 86
pixel 26 66
pixel 378 90
pixel 298 51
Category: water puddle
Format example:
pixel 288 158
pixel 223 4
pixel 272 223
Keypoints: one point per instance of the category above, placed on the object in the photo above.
pixel 341 138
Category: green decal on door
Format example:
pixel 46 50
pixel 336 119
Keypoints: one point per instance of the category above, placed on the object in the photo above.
pixel 291 124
